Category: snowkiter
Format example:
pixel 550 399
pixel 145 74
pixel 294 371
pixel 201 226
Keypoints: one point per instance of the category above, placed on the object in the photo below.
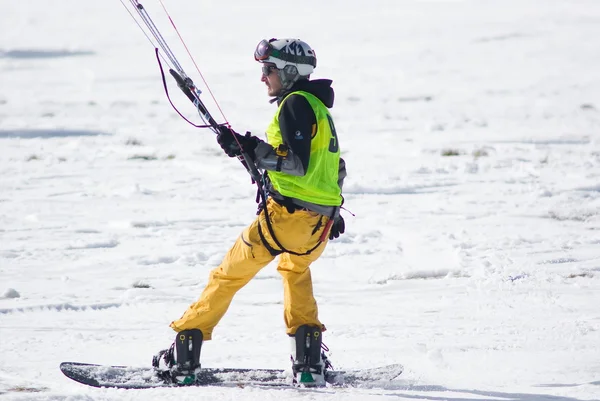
pixel 303 177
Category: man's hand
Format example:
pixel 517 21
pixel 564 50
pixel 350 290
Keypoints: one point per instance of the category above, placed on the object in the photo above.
pixel 228 139
pixel 338 227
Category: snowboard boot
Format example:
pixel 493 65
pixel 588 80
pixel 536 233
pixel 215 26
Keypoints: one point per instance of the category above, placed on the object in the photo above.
pixel 309 363
pixel 180 363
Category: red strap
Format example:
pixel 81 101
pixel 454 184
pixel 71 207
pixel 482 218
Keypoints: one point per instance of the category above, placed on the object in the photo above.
pixel 326 230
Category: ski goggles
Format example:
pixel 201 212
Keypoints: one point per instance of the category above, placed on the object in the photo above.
pixel 264 50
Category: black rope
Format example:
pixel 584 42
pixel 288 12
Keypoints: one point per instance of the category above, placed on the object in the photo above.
pixel 162 74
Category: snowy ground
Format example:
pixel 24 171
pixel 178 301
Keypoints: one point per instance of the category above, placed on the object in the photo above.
pixel 471 134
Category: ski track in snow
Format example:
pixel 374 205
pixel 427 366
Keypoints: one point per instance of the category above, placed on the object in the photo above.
pixel 471 134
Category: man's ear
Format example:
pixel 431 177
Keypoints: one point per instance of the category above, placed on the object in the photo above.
pixel 290 70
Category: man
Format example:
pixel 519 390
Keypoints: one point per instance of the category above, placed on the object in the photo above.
pixel 303 178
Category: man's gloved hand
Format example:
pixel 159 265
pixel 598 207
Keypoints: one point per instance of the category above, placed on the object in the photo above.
pixel 227 140
pixel 338 227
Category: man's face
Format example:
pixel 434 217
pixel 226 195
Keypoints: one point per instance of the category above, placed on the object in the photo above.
pixel 271 79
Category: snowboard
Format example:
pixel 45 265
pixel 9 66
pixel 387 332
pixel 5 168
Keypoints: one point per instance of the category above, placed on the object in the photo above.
pixel 129 377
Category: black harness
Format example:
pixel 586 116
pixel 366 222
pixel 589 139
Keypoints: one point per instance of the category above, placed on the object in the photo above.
pixel 288 203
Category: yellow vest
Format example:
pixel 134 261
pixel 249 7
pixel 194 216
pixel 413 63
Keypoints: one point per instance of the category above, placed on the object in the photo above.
pixel 320 183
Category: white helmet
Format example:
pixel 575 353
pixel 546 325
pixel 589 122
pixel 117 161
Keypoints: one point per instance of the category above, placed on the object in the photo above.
pixel 293 58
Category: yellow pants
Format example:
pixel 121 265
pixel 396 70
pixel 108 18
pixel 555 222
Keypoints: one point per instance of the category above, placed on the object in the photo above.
pixel 296 232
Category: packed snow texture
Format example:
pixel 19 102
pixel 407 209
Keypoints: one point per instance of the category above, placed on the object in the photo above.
pixel 471 135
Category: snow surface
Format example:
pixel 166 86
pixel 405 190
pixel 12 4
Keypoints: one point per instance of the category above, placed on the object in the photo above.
pixel 471 134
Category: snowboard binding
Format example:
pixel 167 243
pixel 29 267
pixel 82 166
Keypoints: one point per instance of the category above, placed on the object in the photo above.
pixel 180 363
pixel 309 363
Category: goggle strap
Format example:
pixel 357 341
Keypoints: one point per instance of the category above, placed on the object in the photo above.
pixel 270 51
pixel 293 58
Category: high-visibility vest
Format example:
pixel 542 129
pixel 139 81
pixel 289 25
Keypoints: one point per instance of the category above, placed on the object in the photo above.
pixel 320 183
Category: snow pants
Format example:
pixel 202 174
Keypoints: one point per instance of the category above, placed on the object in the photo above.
pixel 298 232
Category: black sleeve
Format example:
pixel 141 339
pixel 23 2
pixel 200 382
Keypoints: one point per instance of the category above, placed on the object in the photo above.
pixel 298 124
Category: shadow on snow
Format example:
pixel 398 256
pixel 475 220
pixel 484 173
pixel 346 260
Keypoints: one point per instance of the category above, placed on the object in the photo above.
pixel 468 395
pixel 61 307
pixel 42 53
pixel 48 133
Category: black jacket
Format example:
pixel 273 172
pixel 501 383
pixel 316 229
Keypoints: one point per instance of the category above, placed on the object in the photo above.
pixel 296 118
